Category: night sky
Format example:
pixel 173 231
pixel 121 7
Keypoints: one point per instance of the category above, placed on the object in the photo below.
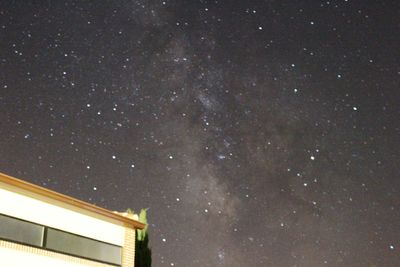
pixel 258 133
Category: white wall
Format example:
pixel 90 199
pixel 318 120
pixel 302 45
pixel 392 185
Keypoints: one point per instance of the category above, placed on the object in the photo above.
pixel 15 258
pixel 41 212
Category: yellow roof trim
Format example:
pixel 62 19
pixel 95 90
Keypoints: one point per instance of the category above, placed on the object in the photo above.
pixel 69 200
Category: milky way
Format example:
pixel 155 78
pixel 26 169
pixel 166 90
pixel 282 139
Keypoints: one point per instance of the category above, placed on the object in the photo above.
pixel 258 133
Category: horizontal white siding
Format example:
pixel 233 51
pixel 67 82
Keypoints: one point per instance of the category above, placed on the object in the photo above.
pixel 41 212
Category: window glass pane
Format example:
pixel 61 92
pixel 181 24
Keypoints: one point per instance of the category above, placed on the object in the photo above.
pixel 80 246
pixel 21 231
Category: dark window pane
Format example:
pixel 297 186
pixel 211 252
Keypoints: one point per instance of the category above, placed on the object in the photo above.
pixel 21 231
pixel 81 246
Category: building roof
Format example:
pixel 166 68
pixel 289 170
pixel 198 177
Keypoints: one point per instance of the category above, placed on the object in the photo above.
pixel 6 179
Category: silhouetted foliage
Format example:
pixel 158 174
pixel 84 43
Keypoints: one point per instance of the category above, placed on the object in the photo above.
pixel 142 250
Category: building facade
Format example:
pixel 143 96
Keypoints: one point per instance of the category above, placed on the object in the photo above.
pixel 40 227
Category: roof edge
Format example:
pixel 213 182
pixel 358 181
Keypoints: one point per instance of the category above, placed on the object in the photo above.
pixel 4 178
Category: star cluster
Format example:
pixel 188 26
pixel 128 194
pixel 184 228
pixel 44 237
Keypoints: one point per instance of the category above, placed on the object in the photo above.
pixel 258 133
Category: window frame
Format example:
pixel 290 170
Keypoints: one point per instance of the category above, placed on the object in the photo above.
pixel 44 239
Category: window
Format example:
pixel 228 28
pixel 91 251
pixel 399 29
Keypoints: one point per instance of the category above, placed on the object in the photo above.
pixel 81 246
pixel 21 231
pixel 28 233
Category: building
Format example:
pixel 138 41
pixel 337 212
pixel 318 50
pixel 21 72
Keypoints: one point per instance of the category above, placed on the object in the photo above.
pixel 40 227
